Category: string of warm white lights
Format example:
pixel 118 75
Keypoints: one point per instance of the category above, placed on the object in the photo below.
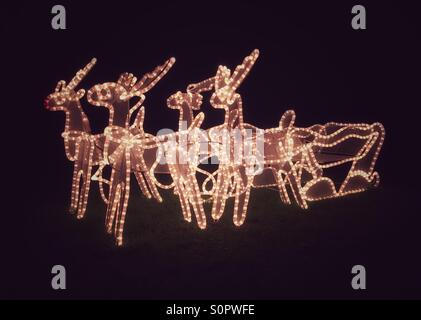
pixel 295 160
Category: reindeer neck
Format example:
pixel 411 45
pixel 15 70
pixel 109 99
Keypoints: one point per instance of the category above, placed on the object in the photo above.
pixel 186 116
pixel 236 105
pixel 76 119
pixel 119 114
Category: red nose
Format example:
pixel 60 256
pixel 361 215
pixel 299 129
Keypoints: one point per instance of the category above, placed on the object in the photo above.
pixel 46 103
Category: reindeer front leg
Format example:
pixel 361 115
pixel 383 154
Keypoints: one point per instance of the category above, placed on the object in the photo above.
pixel 143 176
pixel 141 182
pixel 124 198
pixel 279 174
pixel 196 198
pixel 137 170
pixel 180 189
pixel 151 184
pixel 220 192
pixel 88 150
pixel 76 176
pixel 242 181
pixel 119 193
pixel 115 185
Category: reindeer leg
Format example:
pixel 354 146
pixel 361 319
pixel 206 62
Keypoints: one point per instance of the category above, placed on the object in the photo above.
pixel 75 179
pixel 138 173
pixel 181 191
pixel 142 184
pixel 112 207
pixel 88 150
pixel 196 199
pixel 241 199
pixel 296 188
pixel 114 192
pixel 151 184
pixel 220 193
pixel 294 181
pixel 283 193
pixel 124 200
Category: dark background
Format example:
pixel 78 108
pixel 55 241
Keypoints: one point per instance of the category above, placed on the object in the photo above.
pixel 310 60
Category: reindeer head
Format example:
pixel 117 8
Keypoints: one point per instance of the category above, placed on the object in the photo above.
pixel 226 84
pixel 191 100
pixel 192 97
pixel 64 95
pixel 111 93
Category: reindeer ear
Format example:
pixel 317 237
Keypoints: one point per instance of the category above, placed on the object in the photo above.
pixel 150 79
pixel 222 77
pixel 60 85
pixel 205 85
pixel 80 93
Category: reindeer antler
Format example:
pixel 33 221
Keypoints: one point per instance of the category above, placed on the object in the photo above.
pixel 137 88
pixel 226 84
pixel 81 74
pixel 150 79
pixel 242 70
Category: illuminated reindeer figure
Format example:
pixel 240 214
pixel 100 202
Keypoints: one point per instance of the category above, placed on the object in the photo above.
pixel 236 168
pixel 183 153
pixel 124 147
pixel 294 159
pixel 79 143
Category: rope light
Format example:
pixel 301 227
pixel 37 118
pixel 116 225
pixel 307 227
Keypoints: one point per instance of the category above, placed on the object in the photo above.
pixel 295 160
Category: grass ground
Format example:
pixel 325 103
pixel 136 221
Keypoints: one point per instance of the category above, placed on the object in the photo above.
pixel 280 252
